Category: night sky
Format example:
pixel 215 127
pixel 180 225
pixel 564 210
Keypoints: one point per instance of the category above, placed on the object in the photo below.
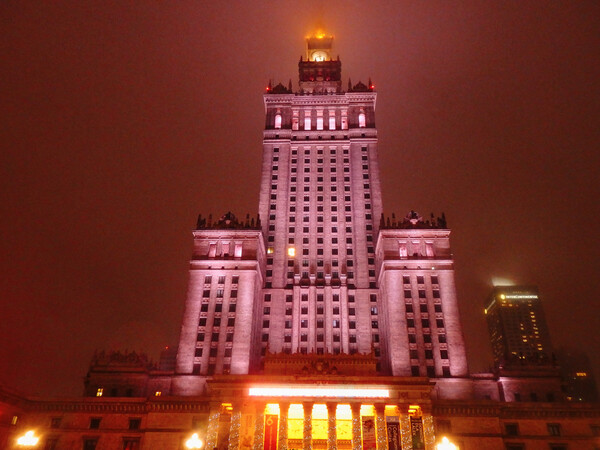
pixel 122 120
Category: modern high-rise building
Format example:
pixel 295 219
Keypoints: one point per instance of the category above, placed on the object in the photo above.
pixel 518 330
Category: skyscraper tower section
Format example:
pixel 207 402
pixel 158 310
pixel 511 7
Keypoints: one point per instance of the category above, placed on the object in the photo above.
pixel 321 272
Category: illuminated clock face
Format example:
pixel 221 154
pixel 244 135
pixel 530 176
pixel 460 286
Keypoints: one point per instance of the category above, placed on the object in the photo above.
pixel 319 56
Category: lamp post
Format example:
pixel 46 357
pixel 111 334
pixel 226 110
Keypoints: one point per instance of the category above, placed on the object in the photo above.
pixel 193 442
pixel 446 445
pixel 29 439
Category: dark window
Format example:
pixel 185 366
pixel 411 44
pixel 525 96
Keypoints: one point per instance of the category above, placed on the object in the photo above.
pixel 553 429
pixel 198 352
pixel 428 354
pixel 511 429
pixel 407 293
pixel 444 354
pixel 439 323
pixel 214 337
pixel 134 424
pixel 95 423
pixel 55 422
pixel 90 444
pixel 420 279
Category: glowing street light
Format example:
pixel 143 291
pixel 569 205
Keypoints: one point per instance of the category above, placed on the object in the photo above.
pixel 29 439
pixel 446 445
pixel 193 442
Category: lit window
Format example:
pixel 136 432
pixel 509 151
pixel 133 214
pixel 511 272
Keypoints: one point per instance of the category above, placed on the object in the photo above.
pixel 99 392
pixel 362 122
pixel 278 121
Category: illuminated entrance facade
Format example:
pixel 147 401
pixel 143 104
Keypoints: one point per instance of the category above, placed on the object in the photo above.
pixel 332 414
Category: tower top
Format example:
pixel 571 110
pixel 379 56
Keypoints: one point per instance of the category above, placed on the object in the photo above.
pixel 318 47
pixel 319 72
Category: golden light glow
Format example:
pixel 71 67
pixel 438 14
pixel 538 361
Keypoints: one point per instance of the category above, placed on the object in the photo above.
pixel 582 374
pixel 227 406
pixel 414 410
pixel 319 421
pixel 446 445
pixel 296 421
pixel 29 439
pixel 313 391
pixel 99 392
pixel 270 251
pixel 193 442
pixel 367 410
pixel 344 422
pixel 272 408
pixel 291 252
pixel 157 393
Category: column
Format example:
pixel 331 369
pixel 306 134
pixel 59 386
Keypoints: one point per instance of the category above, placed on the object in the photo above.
pixel 356 425
pixel 259 426
pixel 213 425
pixel 283 426
pixel 307 438
pixel 234 428
pixel 331 429
pixel 380 424
pixel 405 436
pixel 428 430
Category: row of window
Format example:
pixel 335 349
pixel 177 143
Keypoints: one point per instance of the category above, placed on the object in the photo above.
pixel 416 371
pixel 412 338
pixel 221 279
pixel 420 279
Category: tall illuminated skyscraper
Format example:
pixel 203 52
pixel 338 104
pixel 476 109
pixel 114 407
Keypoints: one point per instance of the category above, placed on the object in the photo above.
pixel 518 330
pixel 321 272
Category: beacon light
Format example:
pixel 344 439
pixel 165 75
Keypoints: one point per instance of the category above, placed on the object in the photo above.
pixel 317 391
pixel 29 439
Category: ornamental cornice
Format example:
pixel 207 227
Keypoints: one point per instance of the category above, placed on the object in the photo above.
pixel 118 407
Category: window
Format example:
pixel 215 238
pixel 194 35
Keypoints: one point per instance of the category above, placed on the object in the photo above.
pixel 131 443
pixel 198 352
pixel 135 423
pixel 515 446
pixel 553 429
pixel 265 324
pixel 95 423
pixel 55 422
pixel 511 429
pixel 90 444
pixel 444 354
pixel 407 293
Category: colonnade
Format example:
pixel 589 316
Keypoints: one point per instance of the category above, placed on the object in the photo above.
pixel 349 425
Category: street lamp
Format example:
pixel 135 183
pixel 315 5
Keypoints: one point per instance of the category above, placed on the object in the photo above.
pixel 446 445
pixel 29 439
pixel 193 442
